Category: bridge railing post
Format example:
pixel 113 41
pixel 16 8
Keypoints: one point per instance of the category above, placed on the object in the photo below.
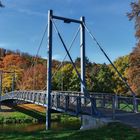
pixel 103 101
pixel 116 101
pixel 34 96
pixel 66 102
pixel 135 105
pixel 42 101
pixel 78 105
pixel 52 100
pixel 93 106
pixel 31 95
pixel 18 94
pixel 24 95
pixel 13 83
pixel 58 100
pixel 113 107
pixel 39 98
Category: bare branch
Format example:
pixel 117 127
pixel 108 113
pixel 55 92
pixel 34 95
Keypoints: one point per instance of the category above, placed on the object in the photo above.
pixel 1 5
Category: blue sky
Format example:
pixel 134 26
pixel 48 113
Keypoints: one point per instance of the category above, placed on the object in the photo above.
pixel 22 24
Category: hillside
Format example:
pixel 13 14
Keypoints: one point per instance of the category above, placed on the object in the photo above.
pixel 30 73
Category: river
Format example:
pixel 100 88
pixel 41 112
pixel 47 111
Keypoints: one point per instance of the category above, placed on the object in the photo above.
pixel 37 127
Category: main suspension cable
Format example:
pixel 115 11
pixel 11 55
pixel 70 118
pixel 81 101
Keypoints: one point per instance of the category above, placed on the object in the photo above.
pixel 40 44
pixel 98 44
pixel 34 59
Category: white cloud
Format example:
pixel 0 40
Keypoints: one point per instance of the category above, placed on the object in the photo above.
pixel 29 12
pixel 57 57
pixel 54 57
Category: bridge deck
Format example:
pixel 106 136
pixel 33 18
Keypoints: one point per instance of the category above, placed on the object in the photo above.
pixel 129 118
pixel 98 105
pixel 132 119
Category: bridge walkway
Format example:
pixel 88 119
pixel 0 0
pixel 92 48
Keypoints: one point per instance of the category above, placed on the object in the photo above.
pixel 118 108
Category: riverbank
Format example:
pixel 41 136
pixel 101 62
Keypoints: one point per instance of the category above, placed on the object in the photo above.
pixel 30 113
pixel 10 115
pixel 16 117
pixel 18 114
pixel 64 127
pixel 114 131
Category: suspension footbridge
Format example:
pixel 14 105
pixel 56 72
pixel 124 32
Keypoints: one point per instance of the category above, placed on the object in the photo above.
pixel 75 103
pixel 98 105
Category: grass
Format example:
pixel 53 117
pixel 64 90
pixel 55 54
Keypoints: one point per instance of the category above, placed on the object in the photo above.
pixel 113 131
pixel 15 117
pixel 25 113
pixel 33 113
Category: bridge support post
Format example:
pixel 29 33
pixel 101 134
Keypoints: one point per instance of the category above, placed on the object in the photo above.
pixel 82 48
pixel 49 70
pixel 0 87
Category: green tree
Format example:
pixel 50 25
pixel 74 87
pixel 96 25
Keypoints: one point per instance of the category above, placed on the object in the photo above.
pixel 63 77
pixel 75 81
pixel 122 64
pixel 105 80
pixel 91 77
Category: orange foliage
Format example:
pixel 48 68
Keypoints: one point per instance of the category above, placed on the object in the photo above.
pixel 34 78
pixel 14 60
pixel 134 70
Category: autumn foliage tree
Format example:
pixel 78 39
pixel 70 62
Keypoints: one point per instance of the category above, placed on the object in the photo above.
pixel 15 60
pixel 122 65
pixel 34 78
pixel 134 70
pixel 134 59
pixel 13 64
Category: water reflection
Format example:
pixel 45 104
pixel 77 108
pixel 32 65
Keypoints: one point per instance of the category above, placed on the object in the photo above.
pixel 37 127
pixel 21 127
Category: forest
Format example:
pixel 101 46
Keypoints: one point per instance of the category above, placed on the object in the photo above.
pixel 30 74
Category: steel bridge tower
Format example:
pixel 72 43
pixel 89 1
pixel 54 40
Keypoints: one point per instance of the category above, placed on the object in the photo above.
pixel 49 59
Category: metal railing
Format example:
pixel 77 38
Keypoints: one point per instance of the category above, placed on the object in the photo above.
pixel 76 103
